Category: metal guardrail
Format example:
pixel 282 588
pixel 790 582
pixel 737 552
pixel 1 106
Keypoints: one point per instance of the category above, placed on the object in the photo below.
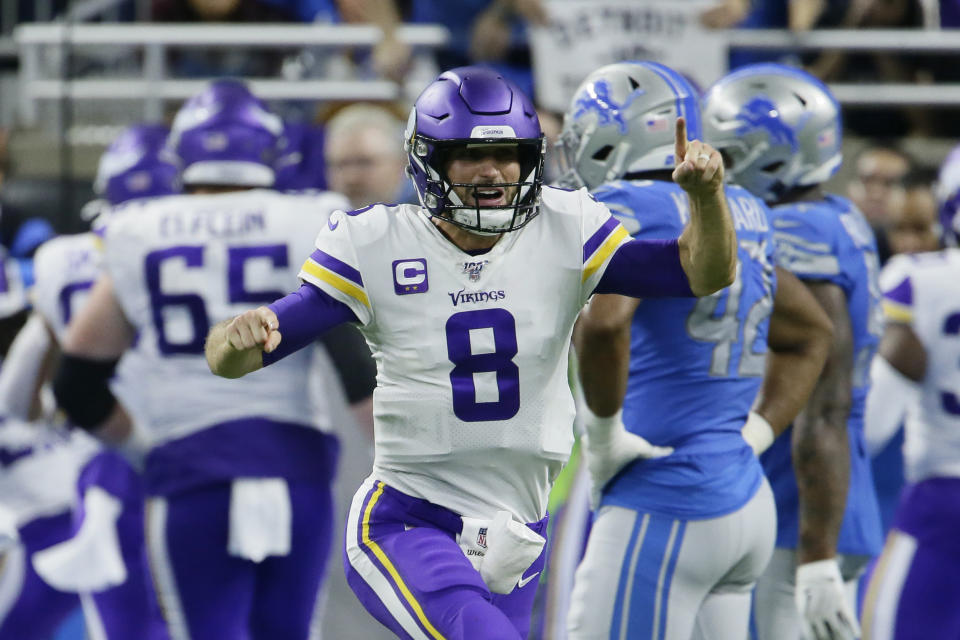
pixel 156 86
pixel 912 41
pixel 874 40
pixel 155 39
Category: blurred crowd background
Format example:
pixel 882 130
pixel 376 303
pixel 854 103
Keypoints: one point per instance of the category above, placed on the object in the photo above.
pixel 73 73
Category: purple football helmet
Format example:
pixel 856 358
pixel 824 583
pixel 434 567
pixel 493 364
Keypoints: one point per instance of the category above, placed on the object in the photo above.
pixel 948 197
pixel 137 165
pixel 300 163
pixel 474 106
pixel 226 136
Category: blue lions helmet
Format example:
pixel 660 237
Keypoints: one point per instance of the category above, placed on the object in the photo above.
pixel 621 120
pixel 137 165
pixel 777 127
pixel 225 135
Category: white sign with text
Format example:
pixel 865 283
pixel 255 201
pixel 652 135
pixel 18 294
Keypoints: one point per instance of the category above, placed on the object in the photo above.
pixel 586 34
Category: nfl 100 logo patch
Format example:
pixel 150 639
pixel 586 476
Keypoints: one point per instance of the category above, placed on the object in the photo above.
pixel 410 276
pixel 482 537
pixel 472 268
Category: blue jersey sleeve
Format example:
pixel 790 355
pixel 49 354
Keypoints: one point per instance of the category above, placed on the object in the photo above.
pixel 807 244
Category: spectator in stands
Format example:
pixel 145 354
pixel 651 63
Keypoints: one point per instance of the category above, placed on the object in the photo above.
pixel 364 156
pixel 796 15
pixel 912 227
pixel 218 62
pixel 878 186
pixel 491 32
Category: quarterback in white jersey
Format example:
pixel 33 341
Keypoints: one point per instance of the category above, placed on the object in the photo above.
pixel 238 474
pixel 468 303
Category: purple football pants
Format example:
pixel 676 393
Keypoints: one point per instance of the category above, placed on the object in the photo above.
pixel 129 610
pixel 915 589
pixel 404 564
pixel 208 594
pixel 38 609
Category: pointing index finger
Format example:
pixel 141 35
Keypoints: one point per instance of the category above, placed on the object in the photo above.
pixel 680 141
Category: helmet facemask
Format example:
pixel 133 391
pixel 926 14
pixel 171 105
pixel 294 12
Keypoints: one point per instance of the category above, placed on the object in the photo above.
pixel 429 160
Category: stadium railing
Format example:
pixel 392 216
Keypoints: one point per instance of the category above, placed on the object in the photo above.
pixel 155 86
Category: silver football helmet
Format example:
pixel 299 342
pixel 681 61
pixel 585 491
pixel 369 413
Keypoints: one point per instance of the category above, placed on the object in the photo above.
pixel 777 127
pixel 621 120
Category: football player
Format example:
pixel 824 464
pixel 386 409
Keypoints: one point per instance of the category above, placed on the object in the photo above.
pixel 679 541
pixel 105 558
pixel 915 585
pixel 238 474
pixel 779 130
pixel 468 302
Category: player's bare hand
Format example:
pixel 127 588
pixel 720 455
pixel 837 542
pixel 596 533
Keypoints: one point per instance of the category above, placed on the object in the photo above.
pixel 255 328
pixel 698 167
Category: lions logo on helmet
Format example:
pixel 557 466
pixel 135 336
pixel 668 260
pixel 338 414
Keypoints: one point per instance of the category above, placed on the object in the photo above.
pixel 474 106
pixel 621 121
pixel 777 127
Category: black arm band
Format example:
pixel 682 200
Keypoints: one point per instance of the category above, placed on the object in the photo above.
pixel 82 389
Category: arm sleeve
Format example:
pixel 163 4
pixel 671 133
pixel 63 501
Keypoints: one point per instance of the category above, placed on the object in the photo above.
pixel 334 267
pixel 646 269
pixel 303 316
pixel 898 301
pixel 21 367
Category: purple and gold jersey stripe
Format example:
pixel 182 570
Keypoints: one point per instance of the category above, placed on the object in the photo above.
pixel 601 246
pixel 394 576
pixel 337 274
pixel 898 302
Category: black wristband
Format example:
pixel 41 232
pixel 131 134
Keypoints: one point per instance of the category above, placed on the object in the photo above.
pixel 82 389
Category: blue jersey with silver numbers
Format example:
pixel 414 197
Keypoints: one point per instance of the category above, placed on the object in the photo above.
pixel 695 364
pixel 830 241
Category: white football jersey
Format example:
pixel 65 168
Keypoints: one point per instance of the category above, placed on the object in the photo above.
pixel 181 264
pixel 65 269
pixel 924 291
pixel 472 409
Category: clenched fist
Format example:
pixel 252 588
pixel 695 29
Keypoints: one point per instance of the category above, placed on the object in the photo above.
pixel 255 328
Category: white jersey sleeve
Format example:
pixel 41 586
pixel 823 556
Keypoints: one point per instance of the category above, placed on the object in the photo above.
pixel 334 265
pixel 602 235
pixel 923 291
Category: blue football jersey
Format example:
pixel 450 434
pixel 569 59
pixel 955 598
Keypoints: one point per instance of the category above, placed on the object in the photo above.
pixel 830 241
pixel 695 364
